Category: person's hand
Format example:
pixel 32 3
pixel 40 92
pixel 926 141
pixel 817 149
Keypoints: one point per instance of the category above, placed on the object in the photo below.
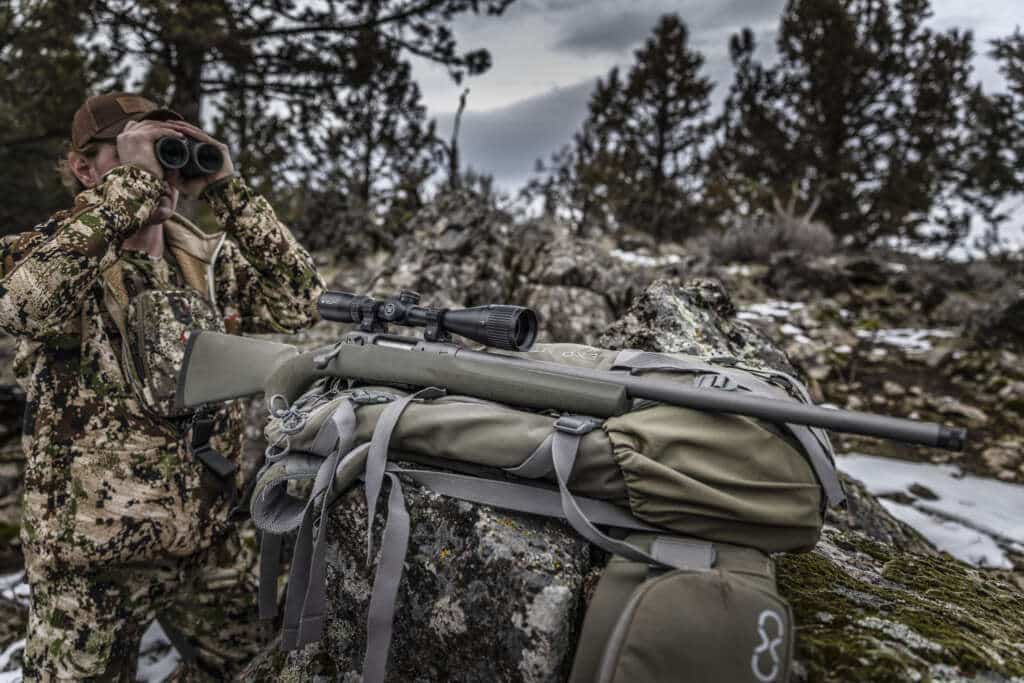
pixel 165 206
pixel 193 187
pixel 136 144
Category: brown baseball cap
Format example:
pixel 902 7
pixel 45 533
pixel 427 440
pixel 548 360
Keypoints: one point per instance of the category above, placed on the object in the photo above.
pixel 102 117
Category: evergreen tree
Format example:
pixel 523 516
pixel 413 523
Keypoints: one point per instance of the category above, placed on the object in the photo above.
pixel 665 130
pixel 213 51
pixel 867 110
pixel 1007 132
pixel 638 158
pixel 44 77
pixel 378 150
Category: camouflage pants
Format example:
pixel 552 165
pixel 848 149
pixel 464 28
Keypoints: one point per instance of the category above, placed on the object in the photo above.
pixel 86 622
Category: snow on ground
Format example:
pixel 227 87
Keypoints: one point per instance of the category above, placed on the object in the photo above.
pixel 912 340
pixel 157 658
pixel 974 519
pixel 14 588
pixel 769 309
pixel 645 260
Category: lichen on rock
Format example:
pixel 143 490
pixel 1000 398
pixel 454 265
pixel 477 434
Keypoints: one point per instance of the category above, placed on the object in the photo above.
pixel 867 611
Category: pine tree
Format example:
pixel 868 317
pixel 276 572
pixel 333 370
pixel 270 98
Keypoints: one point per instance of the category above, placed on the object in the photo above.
pixel 379 150
pixel 866 110
pixel 1007 144
pixel 44 76
pixel 637 160
pixel 210 52
pixel 665 130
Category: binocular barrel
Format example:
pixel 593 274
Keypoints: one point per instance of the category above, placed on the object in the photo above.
pixel 191 157
pixel 512 328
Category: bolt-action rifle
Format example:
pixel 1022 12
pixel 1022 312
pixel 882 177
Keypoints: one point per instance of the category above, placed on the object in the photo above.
pixel 220 367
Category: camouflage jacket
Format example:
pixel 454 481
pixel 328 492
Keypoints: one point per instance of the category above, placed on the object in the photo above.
pixel 103 481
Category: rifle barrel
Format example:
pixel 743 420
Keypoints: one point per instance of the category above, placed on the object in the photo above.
pixel 706 399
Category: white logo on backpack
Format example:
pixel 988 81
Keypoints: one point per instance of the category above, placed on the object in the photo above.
pixel 758 662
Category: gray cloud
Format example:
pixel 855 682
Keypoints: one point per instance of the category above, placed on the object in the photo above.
pixel 506 142
pixel 735 14
pixel 609 33
pixel 604 27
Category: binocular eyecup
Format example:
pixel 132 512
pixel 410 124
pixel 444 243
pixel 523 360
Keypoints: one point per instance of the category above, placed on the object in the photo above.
pixel 190 157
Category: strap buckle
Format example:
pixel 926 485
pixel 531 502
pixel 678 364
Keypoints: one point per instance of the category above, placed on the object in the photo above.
pixel 367 397
pixel 715 381
pixel 201 450
pixel 577 425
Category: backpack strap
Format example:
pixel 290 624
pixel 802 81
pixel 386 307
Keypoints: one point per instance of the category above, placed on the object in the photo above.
pixel 306 600
pixel 306 577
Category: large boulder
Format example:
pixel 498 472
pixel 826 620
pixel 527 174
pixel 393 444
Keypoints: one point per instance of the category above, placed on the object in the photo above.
pixel 489 595
pixel 698 318
pixel 462 251
pixel 485 596
pixel 867 611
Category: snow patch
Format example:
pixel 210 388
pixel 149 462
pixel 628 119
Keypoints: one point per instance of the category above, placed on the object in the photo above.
pixel 912 340
pixel 157 657
pixel 959 540
pixel 972 518
pixel 14 588
pixel 5 660
pixel 770 309
pixel 645 260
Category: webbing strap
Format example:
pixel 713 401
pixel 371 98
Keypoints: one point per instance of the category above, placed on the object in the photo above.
pixel 307 592
pixel 526 498
pixel 564 448
pixel 378 456
pixel 270 570
pixel 538 464
pixel 340 426
pixel 335 435
pixel 380 621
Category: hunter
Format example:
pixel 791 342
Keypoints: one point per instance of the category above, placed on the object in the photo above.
pixel 128 512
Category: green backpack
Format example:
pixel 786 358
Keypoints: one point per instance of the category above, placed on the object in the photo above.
pixel 702 496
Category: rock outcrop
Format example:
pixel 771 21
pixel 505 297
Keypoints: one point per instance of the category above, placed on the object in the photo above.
pixel 495 596
pixel 460 251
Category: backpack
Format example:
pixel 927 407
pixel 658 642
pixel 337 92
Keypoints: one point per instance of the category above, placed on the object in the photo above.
pixel 704 497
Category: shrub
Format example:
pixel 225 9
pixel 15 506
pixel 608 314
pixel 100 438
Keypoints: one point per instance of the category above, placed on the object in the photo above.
pixel 754 238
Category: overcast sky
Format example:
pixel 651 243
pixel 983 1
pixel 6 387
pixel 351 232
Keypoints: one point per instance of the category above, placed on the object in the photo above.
pixel 548 53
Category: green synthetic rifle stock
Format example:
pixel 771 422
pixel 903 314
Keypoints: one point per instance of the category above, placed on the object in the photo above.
pixel 220 367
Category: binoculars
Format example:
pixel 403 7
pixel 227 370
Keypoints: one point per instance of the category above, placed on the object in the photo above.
pixel 191 157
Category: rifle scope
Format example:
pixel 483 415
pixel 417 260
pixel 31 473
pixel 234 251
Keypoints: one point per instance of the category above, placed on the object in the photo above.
pixel 191 157
pixel 512 328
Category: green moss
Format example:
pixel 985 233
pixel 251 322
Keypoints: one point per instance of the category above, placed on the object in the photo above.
pixel 890 616
pixel 863 544
pixel 980 634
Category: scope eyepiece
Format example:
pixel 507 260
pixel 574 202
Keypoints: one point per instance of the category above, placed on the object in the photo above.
pixel 512 328
pixel 189 156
